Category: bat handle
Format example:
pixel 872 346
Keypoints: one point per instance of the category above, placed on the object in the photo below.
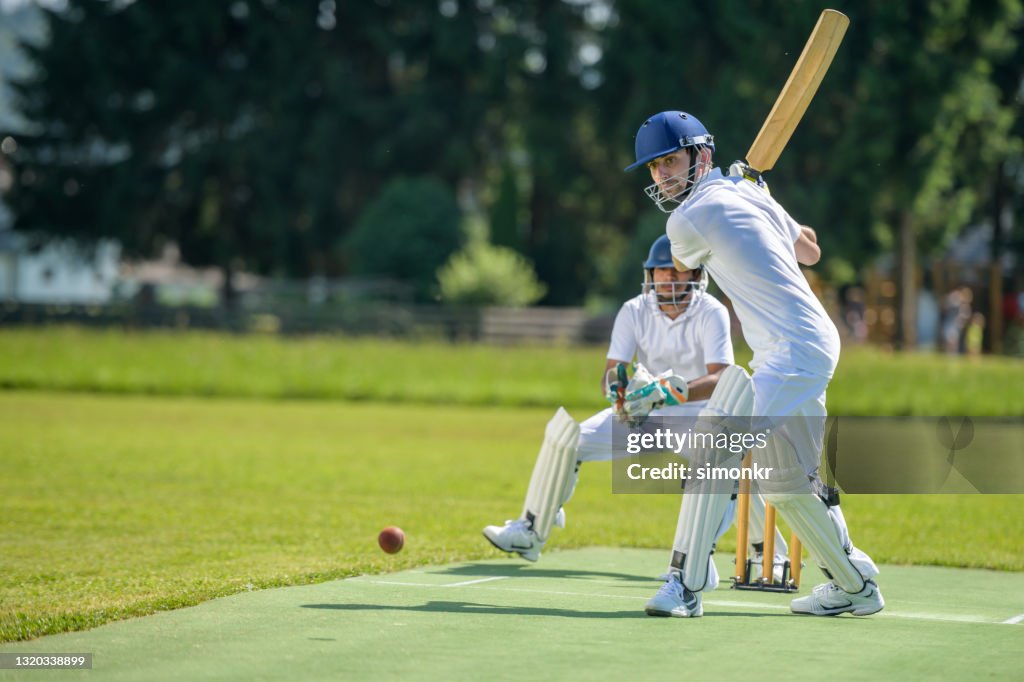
pixel 752 174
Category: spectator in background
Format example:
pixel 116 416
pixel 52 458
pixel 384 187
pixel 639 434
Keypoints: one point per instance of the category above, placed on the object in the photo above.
pixel 854 314
pixel 974 334
pixel 928 319
pixel 957 315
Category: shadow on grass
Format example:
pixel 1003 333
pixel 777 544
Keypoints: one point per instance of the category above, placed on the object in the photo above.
pixel 475 608
pixel 470 607
pixel 520 570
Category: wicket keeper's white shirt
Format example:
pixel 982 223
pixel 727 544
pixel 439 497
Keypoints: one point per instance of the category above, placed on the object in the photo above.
pixel 686 345
pixel 745 239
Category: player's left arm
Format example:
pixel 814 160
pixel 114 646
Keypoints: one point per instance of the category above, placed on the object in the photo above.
pixel 806 246
pixel 689 248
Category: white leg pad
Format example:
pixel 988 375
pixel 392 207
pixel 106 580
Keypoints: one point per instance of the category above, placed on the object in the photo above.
pixel 861 561
pixel 711 581
pixel 701 516
pixel 733 394
pixel 789 489
pixel 552 479
pixel 808 516
pixel 702 513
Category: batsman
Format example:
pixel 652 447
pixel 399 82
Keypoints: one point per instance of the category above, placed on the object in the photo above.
pixel 679 335
pixel 732 227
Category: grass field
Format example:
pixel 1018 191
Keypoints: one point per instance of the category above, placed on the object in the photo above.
pixel 576 615
pixel 867 382
pixel 127 490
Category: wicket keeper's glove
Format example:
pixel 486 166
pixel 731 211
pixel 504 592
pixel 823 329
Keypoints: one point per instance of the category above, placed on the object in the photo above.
pixel 615 382
pixel 665 389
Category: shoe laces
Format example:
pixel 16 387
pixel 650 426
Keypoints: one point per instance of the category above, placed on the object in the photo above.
pixel 517 524
pixel 825 589
pixel 672 586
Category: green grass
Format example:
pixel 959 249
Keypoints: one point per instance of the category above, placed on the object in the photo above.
pixel 868 381
pixel 315 367
pixel 115 506
pixel 125 490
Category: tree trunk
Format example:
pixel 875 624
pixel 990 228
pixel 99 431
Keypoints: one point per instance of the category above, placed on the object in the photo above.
pixel 995 321
pixel 228 294
pixel 907 283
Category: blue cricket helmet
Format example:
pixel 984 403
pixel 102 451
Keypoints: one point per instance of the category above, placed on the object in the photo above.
pixel 660 255
pixel 679 297
pixel 667 132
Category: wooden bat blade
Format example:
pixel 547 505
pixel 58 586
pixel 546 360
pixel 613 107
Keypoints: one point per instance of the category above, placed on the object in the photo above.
pixel 799 90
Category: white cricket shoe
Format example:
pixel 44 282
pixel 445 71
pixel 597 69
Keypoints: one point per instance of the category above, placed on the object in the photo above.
pixel 515 536
pixel 828 599
pixel 560 518
pixel 673 599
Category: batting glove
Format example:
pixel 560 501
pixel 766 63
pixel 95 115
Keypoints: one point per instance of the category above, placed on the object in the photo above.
pixel 742 170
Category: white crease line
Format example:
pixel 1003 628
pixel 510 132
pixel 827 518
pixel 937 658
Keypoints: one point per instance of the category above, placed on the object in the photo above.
pixel 474 582
pixel 716 602
pixel 885 614
pixel 746 605
pixel 912 615
pixel 951 618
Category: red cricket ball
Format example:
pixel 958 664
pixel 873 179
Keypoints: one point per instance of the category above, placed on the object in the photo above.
pixel 391 539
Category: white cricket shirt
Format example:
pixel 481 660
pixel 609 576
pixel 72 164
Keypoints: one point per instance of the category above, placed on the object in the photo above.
pixel 745 240
pixel 686 345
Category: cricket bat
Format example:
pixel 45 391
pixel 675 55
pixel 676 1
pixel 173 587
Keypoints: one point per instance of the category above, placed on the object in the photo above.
pixel 798 91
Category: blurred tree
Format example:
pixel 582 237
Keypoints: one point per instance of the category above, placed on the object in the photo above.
pixel 631 273
pixel 483 274
pixel 255 134
pixel 539 44
pixel 407 232
pixel 506 211
pixel 1007 174
pixel 174 135
pixel 926 128
pixel 250 133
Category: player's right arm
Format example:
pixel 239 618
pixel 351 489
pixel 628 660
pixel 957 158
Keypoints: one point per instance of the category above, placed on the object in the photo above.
pixel 609 365
pixel 622 346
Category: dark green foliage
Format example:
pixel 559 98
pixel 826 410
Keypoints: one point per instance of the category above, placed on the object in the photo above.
pixel 407 232
pixel 631 275
pixel 506 212
pixel 255 133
